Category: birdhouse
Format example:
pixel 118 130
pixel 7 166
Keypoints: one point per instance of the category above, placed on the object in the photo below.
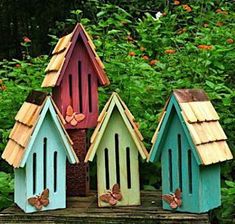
pixel 117 143
pixel 190 143
pixel 75 71
pixel 37 149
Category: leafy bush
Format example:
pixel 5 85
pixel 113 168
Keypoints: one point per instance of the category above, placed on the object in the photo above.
pixel 6 189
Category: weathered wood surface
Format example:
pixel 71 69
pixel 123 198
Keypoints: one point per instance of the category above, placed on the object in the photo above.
pixel 85 210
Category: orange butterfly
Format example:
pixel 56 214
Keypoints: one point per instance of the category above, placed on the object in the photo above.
pixel 73 117
pixel 174 200
pixel 113 196
pixel 40 200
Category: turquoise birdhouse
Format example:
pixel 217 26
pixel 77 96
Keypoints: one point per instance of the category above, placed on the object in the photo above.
pixel 37 149
pixel 191 144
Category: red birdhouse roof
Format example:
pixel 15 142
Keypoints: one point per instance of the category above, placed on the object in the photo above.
pixel 62 54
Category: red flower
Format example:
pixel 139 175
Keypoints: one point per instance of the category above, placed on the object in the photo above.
pixel 204 47
pixel 219 24
pixel 3 87
pixel 26 40
pixel 176 2
pixel 153 62
pixel 220 11
pixel 17 65
pixel 170 51
pixel 1 81
pixel 230 41
pixel 187 8
pixel 145 57
pixel 132 53
pixel 142 48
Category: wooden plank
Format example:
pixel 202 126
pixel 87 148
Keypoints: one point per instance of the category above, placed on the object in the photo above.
pixel 84 210
pixel 188 112
pixel 210 110
pixel 196 108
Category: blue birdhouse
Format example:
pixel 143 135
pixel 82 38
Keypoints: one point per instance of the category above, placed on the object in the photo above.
pixel 191 144
pixel 37 149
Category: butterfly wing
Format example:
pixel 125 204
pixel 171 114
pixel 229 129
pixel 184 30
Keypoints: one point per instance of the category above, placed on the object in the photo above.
pixel 79 117
pixel 73 122
pixel 35 201
pixel 69 111
pixel 116 192
pixel 178 199
pixel 168 198
pixel 32 201
pixel 68 118
pixel 44 197
pixel 105 197
pixel 112 201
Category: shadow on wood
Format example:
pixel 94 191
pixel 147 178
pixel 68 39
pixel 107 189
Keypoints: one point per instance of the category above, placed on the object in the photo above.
pixel 84 210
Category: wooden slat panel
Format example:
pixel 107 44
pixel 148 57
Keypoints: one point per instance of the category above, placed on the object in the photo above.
pixel 7 152
pixel 158 127
pixel 62 43
pixel 190 95
pixel 188 112
pixel 217 131
pixel 23 110
pixel 224 146
pixel 50 79
pixel 194 134
pixel 18 157
pixel 214 152
pixel 198 112
pixel 21 133
pixel 209 110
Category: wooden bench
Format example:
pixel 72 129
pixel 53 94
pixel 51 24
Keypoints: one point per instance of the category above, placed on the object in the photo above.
pixel 84 210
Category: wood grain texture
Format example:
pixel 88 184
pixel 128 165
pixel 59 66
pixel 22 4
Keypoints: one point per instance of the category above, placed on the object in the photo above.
pixel 84 210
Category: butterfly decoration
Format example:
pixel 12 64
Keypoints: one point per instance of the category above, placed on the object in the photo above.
pixel 112 196
pixel 40 200
pixel 174 200
pixel 72 117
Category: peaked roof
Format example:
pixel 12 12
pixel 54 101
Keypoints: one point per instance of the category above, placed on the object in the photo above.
pixel 62 53
pixel 201 124
pixel 28 122
pixel 103 120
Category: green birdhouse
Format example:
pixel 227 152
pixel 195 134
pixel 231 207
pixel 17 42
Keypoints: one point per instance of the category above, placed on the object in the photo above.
pixel 191 144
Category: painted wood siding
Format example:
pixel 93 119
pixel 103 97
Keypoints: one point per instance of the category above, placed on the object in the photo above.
pixel 131 196
pixel 210 185
pixel 20 187
pixel 82 89
pixel 171 142
pixel 54 144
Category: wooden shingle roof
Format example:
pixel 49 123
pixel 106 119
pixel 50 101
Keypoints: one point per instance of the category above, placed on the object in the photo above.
pixel 62 53
pixel 26 120
pixel 202 122
pixel 103 119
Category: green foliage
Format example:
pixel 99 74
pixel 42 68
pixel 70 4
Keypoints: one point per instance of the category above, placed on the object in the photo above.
pixel 6 190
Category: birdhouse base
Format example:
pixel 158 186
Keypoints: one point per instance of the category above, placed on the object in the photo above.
pixel 78 174
pixel 85 210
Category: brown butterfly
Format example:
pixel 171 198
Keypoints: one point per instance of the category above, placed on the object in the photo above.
pixel 112 196
pixel 73 117
pixel 40 200
pixel 174 200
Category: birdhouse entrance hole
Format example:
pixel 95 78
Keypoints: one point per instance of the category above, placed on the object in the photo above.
pixel 180 161
pixel 106 155
pixel 34 172
pixel 117 158
pixel 55 171
pixel 80 85
pixel 45 163
pixel 190 171
pixel 170 169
